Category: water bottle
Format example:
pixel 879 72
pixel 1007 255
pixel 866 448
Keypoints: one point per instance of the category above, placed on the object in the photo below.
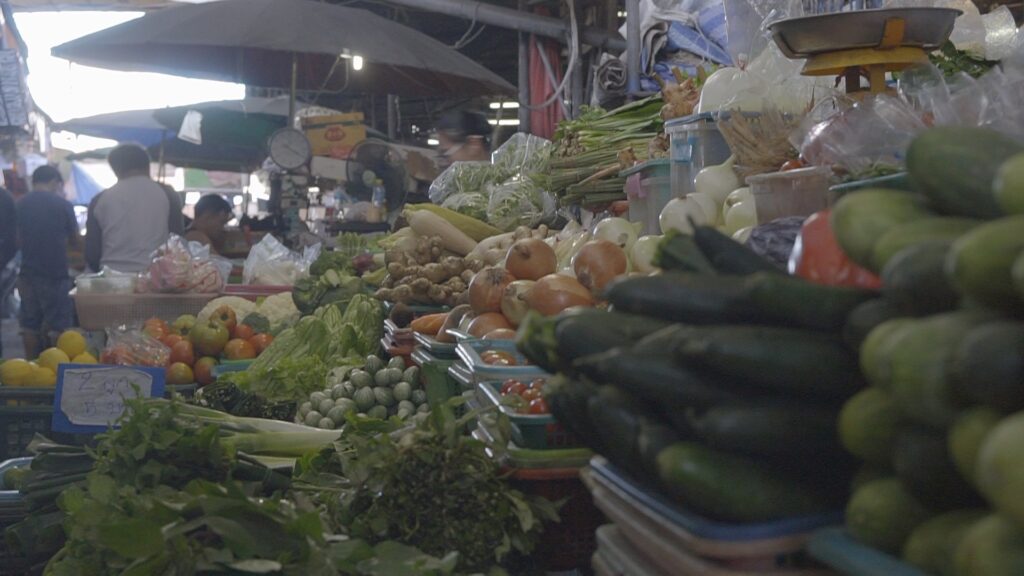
pixel 380 200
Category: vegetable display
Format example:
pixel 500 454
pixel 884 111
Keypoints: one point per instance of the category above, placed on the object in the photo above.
pixel 375 390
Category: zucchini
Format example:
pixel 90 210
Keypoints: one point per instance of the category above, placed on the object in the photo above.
pixel 679 252
pixel 587 331
pixel 617 418
pixel 568 400
pixel 729 256
pixel 769 430
pixel 789 301
pixel 733 488
pixel 781 359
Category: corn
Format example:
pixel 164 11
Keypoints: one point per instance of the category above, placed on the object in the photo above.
pixel 468 225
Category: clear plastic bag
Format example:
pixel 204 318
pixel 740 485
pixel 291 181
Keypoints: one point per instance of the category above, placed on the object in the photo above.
pixel 522 154
pixel 182 267
pixel 464 177
pixel 271 263
pixel 519 203
pixel 469 203
pixel 133 347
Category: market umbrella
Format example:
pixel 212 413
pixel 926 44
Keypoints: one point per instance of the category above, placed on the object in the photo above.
pixel 140 126
pixel 302 44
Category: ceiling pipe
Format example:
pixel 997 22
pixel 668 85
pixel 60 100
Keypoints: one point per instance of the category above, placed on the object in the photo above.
pixel 516 20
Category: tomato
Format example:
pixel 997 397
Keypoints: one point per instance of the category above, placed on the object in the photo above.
pixel 204 370
pixel 498 358
pixel 260 342
pixel 793 165
pixel 538 406
pixel 507 385
pixel 179 373
pixel 243 332
pixel 537 383
pixel 530 394
pixel 183 352
pixel 817 257
pixel 171 339
pixel 239 349
pixel 155 330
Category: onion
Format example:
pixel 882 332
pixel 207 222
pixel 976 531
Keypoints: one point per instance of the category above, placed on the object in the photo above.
pixel 487 323
pixel 531 259
pixel 643 253
pixel 598 263
pixel 487 288
pixel 717 182
pixel 682 214
pixel 619 231
pixel 513 303
pixel 740 216
pixel 501 334
pixel 712 209
pixel 556 292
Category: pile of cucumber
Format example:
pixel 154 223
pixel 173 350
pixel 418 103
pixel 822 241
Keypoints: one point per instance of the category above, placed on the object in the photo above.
pixel 719 381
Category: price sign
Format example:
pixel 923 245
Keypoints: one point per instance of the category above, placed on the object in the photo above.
pixel 90 398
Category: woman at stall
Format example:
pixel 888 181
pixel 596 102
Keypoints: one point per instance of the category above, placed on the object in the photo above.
pixel 464 137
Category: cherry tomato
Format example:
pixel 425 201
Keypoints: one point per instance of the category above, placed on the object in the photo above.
pixel 530 394
pixel 514 388
pixel 498 358
pixel 538 406
pixel 506 385
pixel 538 384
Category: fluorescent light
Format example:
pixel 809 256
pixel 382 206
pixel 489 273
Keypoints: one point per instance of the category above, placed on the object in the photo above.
pixel 433 142
pixel 505 105
pixel 357 63
pixel 622 13
pixel 511 122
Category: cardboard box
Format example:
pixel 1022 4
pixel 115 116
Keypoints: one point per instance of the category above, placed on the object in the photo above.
pixel 334 136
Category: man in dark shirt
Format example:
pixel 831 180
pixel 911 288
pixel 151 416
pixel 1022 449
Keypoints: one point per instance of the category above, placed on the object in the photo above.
pixel 8 248
pixel 47 227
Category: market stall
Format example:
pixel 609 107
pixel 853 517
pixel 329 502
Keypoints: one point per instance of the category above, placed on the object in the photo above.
pixel 752 324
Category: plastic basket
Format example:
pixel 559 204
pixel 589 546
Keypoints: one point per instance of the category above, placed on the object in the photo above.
pixel 399 335
pixel 99 311
pixel 254 292
pixel 469 352
pixel 519 457
pixel 533 431
pixel 230 366
pixel 649 188
pixel 435 346
pixel 570 543
pixel 833 546
pixel 24 412
pixel 462 375
pixel 763 545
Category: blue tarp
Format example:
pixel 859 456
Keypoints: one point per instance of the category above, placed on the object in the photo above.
pixel 86 188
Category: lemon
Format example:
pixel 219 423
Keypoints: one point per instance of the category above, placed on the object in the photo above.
pixel 53 357
pixel 71 343
pixel 84 358
pixel 15 372
pixel 43 376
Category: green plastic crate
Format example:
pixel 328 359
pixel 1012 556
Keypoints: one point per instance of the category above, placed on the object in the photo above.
pixel 535 432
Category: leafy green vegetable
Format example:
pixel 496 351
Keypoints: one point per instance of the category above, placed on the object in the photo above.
pixel 952 61
pixel 289 380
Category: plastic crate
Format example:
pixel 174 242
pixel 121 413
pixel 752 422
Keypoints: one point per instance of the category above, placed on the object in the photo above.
pixel 533 431
pixel 254 292
pixel 519 457
pixel 462 375
pixel 230 366
pixel 835 547
pixel 570 543
pixel 649 189
pixel 100 311
pixel 402 336
pixel 762 546
pixel 435 346
pixel 469 352
pixel 24 412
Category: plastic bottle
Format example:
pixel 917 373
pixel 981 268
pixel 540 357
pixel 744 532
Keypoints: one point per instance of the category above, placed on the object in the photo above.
pixel 379 200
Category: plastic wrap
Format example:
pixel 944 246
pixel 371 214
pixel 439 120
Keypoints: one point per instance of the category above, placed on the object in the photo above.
pixel 519 203
pixel 522 154
pixel 132 347
pixel 464 177
pixel 271 263
pixel 182 267
pixel 469 203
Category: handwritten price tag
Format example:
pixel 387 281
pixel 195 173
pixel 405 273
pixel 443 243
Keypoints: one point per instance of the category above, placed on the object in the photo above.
pixel 90 398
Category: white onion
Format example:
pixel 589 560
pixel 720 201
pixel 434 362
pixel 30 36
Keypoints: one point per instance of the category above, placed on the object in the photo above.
pixel 643 253
pixel 678 214
pixel 740 216
pixel 712 209
pixel 514 303
pixel 618 231
pixel 718 181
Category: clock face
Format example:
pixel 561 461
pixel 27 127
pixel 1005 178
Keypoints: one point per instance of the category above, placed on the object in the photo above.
pixel 290 149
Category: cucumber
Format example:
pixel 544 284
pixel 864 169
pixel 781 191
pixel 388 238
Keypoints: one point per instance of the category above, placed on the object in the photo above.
pixel 865 318
pixel 617 417
pixel 729 256
pixel 957 166
pixel 922 462
pixel 585 332
pixel 988 366
pixel 679 252
pixel 780 359
pixel 937 228
pixel 790 301
pixel 980 265
pixel 733 488
pixel 769 430
pixel 860 219
pixel 568 400
pixel 915 280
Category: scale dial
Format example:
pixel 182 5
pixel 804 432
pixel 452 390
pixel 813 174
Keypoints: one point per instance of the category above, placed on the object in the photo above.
pixel 290 149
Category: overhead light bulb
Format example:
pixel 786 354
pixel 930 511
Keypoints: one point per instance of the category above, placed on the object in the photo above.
pixel 433 142
pixel 357 63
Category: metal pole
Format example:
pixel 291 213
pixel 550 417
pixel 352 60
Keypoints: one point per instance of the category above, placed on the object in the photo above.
pixel 515 20
pixel 633 47
pixel 577 86
pixel 524 78
pixel 291 95
pixel 392 117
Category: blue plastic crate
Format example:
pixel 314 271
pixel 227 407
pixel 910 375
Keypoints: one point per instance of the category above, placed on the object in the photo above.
pixel 531 431
pixel 469 351
pixel 229 366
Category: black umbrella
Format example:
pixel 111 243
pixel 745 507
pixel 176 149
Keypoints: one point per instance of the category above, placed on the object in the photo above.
pixel 304 44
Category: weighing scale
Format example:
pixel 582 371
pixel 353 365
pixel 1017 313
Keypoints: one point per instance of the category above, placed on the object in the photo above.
pixel 289 190
pixel 867 44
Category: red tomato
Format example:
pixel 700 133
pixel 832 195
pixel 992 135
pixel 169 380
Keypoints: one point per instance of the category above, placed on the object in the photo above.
pixel 515 389
pixel 507 384
pixel 182 352
pixel 537 383
pixel 243 332
pixel 530 394
pixel 498 358
pixel 260 342
pixel 817 257
pixel 538 406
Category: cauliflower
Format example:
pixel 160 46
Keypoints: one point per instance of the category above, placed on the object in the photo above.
pixel 241 306
pixel 279 309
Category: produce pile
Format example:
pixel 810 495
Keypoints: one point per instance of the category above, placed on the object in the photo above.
pixel 42 371
pixel 940 428
pixel 720 380
pixel 377 390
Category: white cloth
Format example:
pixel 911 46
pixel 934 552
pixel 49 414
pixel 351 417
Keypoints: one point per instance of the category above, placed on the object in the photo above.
pixel 133 217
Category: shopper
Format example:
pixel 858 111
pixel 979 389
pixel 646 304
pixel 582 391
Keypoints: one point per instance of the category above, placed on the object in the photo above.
pixel 464 137
pixel 47 228
pixel 212 214
pixel 130 220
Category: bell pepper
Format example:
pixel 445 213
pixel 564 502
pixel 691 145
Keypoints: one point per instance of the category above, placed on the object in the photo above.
pixel 817 257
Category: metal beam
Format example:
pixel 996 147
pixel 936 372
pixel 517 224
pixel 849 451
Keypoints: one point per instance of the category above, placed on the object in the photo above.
pixel 515 20
pixel 633 46
pixel 524 78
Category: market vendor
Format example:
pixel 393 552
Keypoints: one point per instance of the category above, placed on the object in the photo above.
pixel 47 227
pixel 131 219
pixel 464 137
pixel 212 214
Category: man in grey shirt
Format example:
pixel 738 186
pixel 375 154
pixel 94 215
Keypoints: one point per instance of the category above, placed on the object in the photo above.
pixel 131 219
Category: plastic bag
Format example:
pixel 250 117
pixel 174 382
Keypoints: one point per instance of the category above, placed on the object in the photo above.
pixel 271 263
pixel 181 267
pixel 107 281
pixel 519 203
pixel 133 347
pixel 522 154
pixel 469 203
pixel 465 177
